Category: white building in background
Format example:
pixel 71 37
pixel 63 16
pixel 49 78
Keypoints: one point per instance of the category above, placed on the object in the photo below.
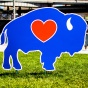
pixel 23 6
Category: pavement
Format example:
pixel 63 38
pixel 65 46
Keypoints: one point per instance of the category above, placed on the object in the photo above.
pixel 3 47
pixel 83 51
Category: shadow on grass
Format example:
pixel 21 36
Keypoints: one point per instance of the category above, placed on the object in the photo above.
pixel 8 74
pixel 42 74
pixel 46 75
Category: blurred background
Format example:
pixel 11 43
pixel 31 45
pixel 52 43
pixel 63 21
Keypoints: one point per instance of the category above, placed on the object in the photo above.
pixel 10 9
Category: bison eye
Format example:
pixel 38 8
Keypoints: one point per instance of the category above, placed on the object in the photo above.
pixel 69 25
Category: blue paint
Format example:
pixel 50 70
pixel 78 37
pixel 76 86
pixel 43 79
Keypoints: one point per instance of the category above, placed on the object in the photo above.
pixel 20 36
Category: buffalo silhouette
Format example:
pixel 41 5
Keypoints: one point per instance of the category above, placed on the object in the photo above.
pixel 68 37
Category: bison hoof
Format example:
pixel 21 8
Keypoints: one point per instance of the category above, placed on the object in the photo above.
pixel 48 67
pixel 7 67
pixel 17 67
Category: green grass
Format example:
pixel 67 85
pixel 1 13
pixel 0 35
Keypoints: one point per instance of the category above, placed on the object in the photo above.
pixel 71 72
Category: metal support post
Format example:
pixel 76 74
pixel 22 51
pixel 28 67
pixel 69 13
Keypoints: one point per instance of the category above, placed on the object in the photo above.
pixel 14 9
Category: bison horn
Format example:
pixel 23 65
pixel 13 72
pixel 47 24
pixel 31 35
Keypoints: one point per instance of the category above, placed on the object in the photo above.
pixel 69 25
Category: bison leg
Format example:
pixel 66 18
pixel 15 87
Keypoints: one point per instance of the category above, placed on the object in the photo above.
pixel 48 62
pixel 6 61
pixel 16 63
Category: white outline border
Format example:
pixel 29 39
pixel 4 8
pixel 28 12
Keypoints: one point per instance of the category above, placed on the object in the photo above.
pixel 39 50
pixel 43 24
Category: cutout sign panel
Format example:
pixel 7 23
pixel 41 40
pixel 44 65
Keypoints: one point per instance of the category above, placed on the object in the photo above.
pixel 46 30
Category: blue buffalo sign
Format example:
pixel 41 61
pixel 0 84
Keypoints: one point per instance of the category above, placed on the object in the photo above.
pixel 46 30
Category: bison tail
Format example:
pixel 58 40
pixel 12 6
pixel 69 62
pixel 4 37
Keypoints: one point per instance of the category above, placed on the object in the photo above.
pixel 3 37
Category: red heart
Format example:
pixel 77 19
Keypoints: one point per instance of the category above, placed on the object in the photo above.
pixel 43 30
